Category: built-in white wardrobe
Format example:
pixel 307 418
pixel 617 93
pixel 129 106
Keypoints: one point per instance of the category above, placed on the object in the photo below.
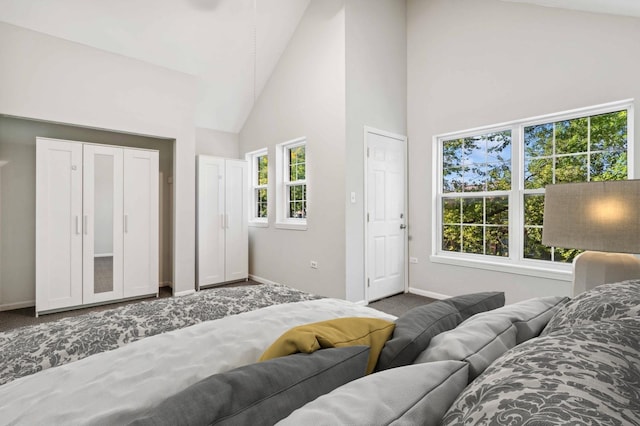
pixel 96 223
pixel 222 234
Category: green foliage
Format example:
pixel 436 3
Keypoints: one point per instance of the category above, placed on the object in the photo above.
pixel 261 196
pixel 478 163
pixel 298 201
pixel 577 150
pixel 297 163
pixel 263 168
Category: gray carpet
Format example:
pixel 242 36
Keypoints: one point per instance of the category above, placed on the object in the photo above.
pixel 401 303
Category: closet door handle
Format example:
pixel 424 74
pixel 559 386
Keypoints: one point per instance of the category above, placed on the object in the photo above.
pixel 126 223
pixel 85 224
pixel 77 225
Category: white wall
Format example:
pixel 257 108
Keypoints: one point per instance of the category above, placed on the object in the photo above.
pixel 217 143
pixel 474 63
pixel 51 79
pixel 305 96
pixel 376 82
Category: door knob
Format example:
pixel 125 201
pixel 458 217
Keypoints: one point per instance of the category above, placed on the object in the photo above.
pixel 403 226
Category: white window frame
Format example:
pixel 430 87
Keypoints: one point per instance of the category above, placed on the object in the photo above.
pixel 252 160
pixel 515 263
pixel 283 220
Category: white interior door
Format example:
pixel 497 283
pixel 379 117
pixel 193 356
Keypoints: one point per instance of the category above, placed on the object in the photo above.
pixel 58 224
pixel 211 220
pixel 140 243
pixel 386 214
pixel 236 219
pixel 102 224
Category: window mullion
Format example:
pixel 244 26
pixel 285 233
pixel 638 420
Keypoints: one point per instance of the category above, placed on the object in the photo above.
pixel 516 215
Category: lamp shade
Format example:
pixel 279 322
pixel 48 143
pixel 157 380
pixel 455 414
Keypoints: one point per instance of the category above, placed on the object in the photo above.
pixel 600 216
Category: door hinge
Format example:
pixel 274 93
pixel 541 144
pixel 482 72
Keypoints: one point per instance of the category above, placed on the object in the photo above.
pixel 367 216
pixel 368 282
pixel 368 153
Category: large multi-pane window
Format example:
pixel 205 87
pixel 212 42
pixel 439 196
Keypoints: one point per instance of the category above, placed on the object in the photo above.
pixel 292 193
pixel 490 194
pixel 259 179
pixel 584 149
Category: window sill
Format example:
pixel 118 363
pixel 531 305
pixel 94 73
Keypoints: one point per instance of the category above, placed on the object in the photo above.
pixel 298 226
pixel 497 266
pixel 259 224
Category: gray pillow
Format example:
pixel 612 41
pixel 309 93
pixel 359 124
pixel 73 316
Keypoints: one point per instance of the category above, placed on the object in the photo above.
pixel 529 316
pixel 416 327
pixel 471 304
pixel 414 331
pixel 607 301
pixel 479 342
pixel 411 395
pixel 261 393
pixel 586 375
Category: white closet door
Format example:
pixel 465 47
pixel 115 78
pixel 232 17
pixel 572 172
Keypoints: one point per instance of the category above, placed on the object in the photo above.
pixel 211 220
pixel 102 224
pixel 58 224
pixel 236 219
pixel 140 222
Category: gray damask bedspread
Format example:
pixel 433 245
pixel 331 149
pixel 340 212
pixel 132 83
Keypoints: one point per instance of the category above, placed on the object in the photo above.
pixel 30 349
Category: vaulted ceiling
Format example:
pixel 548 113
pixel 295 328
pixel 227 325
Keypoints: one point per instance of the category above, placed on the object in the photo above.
pixel 230 46
pixel 212 40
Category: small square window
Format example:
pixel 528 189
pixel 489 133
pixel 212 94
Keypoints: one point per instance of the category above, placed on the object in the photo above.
pixel 292 193
pixel 259 181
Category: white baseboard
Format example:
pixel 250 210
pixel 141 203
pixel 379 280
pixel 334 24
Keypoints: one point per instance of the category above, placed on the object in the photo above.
pixel 262 280
pixel 429 294
pixel 17 305
pixel 184 293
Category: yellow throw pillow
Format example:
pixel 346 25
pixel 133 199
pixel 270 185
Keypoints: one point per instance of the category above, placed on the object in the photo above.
pixel 335 333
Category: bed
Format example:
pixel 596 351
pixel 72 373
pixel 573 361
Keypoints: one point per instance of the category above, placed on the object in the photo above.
pixel 113 365
pixel 30 349
pixel 464 360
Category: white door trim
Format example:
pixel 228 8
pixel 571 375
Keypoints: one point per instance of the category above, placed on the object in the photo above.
pixel 403 139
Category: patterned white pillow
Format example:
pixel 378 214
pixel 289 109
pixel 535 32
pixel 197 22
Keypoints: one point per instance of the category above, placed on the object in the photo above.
pixel 607 301
pixel 581 375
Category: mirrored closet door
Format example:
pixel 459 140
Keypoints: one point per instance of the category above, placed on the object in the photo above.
pixel 102 224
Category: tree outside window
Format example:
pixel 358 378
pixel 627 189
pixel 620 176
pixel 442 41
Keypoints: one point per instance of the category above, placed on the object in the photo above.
pixel 262 166
pixel 259 181
pixel 478 183
pixel 292 191
pixel 475 204
pixel 584 149
pixel 297 187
